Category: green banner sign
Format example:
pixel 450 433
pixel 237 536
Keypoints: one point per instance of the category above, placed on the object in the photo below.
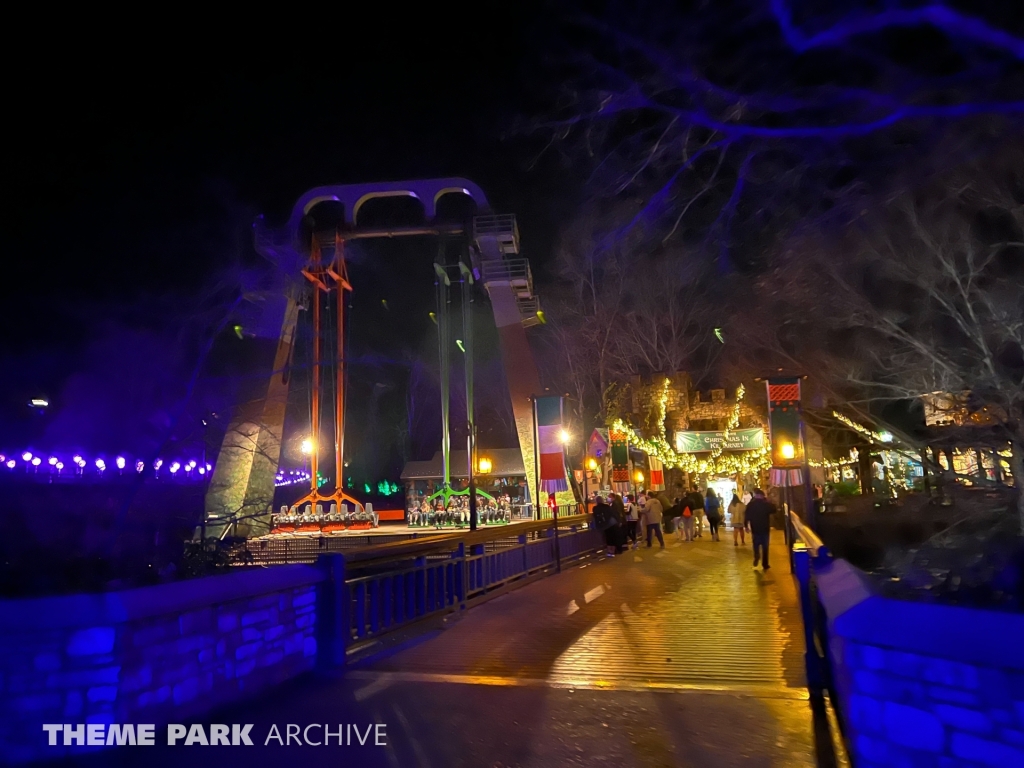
pixel 739 440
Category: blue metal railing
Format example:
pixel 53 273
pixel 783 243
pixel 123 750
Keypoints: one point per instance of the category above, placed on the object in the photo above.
pixel 807 552
pixel 808 557
pixel 372 591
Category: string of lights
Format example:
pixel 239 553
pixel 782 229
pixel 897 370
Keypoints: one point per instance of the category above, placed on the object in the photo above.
pixel 878 437
pixel 734 421
pixel 78 466
pixel 717 463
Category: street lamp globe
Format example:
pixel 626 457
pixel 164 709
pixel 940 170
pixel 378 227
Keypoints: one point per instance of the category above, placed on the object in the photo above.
pixel 307 446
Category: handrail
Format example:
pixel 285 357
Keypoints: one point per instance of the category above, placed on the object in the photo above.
pixel 804 533
pixel 450 540
pixel 394 587
pixel 807 560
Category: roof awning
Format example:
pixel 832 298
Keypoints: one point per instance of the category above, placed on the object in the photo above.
pixel 505 462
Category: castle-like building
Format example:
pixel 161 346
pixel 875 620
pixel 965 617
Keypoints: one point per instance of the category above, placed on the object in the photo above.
pixel 686 409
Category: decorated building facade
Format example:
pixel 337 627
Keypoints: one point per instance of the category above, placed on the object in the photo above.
pixel 668 433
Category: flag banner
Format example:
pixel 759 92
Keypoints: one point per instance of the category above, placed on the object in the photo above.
pixel 784 421
pixel 786 478
pixel 657 471
pixel 620 461
pixel 739 440
pixel 549 444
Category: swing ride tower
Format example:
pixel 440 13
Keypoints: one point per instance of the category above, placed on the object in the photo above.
pixel 239 501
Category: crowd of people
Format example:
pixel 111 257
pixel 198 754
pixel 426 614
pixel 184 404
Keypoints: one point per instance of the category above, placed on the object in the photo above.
pixel 627 520
pixel 456 513
pixel 310 519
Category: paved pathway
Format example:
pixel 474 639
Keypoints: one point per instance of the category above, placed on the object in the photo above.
pixel 687 657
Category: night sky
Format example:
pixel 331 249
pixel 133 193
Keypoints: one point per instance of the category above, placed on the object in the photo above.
pixel 137 163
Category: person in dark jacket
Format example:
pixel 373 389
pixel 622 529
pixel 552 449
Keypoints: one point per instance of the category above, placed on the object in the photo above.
pixel 759 523
pixel 604 519
pixel 619 513
pixel 713 512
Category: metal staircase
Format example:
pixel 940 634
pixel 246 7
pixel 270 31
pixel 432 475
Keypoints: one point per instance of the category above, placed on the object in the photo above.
pixel 496 238
pixel 496 235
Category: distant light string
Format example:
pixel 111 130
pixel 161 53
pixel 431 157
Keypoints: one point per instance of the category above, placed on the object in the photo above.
pixel 878 437
pixel 77 465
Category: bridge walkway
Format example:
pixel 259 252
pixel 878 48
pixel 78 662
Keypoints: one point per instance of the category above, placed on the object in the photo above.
pixel 683 658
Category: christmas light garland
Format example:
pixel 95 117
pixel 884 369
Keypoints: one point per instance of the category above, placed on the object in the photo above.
pixel 829 464
pixel 734 421
pixel 878 437
pixel 750 462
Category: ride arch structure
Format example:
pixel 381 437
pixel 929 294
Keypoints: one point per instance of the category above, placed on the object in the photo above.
pixel 240 496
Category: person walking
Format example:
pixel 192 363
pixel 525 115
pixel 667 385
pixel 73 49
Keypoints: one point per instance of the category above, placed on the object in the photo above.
pixel 759 520
pixel 738 516
pixel 687 517
pixel 713 512
pixel 653 514
pixel 604 521
pixel 697 506
pixel 632 520
pixel 619 513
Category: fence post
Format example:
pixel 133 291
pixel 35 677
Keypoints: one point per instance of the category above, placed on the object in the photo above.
pixel 812 661
pixel 558 551
pixel 333 623
pixel 790 536
pixel 420 587
pixel 463 575
pixel 549 533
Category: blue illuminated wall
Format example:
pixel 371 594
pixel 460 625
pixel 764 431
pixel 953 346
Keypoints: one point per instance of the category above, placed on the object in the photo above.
pixel 922 683
pixel 156 653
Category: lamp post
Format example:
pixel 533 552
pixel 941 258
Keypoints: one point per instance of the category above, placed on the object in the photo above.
pixel 535 491
pixel 638 478
pixel 589 466
pixel 809 517
pixel 565 437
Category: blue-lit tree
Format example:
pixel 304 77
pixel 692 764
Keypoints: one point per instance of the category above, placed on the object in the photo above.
pixel 728 125
pixel 770 140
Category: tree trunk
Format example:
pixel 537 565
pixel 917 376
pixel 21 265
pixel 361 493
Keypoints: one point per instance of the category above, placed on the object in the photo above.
pixel 1017 468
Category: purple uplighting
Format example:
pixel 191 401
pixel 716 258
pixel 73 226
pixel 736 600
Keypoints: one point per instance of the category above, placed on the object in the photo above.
pixel 290 477
pixel 51 467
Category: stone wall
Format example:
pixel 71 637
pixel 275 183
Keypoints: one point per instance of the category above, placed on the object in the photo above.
pixel 922 684
pixel 151 654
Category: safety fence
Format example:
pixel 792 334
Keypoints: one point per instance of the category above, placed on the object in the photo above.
pixel 376 590
pixel 807 555
pixel 279 550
